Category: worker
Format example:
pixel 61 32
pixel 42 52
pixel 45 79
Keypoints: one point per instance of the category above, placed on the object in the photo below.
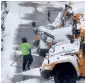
pixel 33 23
pixel 48 13
pixel 26 53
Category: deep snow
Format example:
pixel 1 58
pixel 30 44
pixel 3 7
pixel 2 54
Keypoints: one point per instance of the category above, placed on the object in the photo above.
pixel 9 33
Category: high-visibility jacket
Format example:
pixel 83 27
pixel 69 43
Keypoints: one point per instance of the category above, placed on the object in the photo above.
pixel 25 48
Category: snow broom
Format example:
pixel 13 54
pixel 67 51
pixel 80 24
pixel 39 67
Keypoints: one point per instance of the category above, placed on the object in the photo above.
pixel 15 60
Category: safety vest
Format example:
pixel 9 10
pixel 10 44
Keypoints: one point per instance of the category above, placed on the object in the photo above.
pixel 25 48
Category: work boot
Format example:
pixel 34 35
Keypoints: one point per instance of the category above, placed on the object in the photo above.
pixel 24 70
pixel 28 68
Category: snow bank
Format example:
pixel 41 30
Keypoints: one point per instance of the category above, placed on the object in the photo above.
pixel 11 24
pixel 8 43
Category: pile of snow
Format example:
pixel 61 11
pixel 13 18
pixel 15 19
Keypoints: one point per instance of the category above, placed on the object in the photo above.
pixel 11 24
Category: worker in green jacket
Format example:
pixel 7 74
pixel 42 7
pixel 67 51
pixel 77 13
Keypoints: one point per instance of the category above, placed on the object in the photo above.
pixel 26 53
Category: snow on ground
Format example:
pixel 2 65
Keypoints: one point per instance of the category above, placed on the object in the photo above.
pixel 41 9
pixel 47 81
pixel 27 10
pixel 30 10
pixel 29 81
pixel 25 21
pixel 31 72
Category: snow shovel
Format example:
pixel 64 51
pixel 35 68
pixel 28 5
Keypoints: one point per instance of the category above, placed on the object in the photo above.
pixel 15 60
